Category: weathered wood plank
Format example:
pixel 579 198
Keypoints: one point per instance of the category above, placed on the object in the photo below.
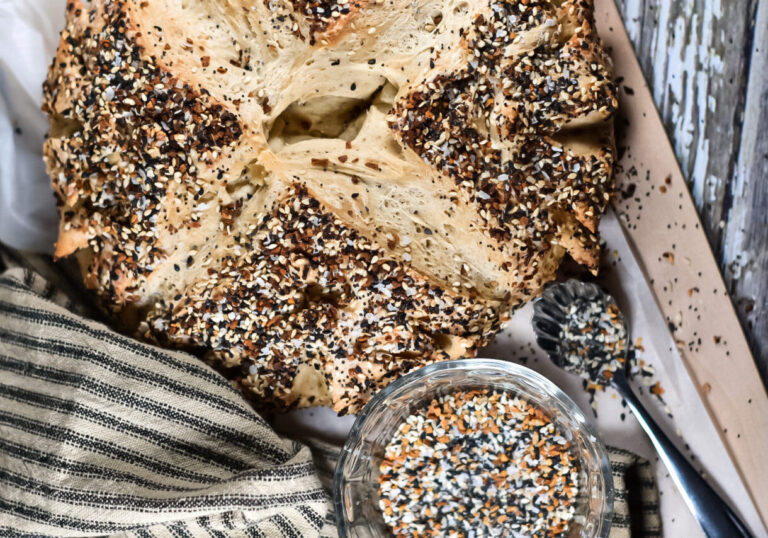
pixel 672 250
pixel 693 56
pixel 697 57
pixel 745 247
pixel 660 221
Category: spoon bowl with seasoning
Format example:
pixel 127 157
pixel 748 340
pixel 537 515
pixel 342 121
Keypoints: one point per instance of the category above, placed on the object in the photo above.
pixel 584 332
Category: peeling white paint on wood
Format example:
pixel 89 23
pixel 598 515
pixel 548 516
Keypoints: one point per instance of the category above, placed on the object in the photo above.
pixel 745 248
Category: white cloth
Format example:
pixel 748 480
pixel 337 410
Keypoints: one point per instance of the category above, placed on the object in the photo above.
pixel 28 40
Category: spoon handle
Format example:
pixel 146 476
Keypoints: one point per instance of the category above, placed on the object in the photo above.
pixel 714 515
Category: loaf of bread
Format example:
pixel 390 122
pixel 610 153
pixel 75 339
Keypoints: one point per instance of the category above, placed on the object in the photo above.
pixel 321 195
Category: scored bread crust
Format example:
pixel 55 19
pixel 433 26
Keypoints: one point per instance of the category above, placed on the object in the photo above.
pixel 322 196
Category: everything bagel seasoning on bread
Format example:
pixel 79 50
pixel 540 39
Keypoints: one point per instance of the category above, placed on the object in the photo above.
pixel 322 196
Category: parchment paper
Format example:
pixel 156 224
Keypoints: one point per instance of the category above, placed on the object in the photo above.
pixel 28 221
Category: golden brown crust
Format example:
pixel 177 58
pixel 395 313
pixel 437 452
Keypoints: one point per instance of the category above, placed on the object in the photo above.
pixel 325 195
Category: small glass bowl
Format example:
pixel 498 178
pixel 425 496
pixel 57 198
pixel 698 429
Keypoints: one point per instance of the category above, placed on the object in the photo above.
pixel 355 487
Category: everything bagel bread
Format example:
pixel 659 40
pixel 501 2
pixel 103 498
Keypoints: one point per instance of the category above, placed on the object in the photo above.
pixel 321 196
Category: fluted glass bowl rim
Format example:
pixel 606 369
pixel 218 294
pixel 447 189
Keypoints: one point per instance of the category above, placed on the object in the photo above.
pixel 512 369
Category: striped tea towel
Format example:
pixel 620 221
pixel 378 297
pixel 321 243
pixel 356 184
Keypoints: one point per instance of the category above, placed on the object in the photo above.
pixel 103 436
pixel 636 497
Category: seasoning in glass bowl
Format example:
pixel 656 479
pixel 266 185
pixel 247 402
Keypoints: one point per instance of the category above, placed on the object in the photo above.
pixel 478 463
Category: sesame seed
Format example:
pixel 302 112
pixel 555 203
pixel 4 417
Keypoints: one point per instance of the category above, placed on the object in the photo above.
pixel 478 463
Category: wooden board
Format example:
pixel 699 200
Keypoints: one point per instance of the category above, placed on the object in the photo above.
pixel 660 219
pixel 706 62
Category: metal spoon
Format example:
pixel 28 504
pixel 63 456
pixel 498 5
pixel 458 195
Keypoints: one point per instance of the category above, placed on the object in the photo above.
pixel 553 323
